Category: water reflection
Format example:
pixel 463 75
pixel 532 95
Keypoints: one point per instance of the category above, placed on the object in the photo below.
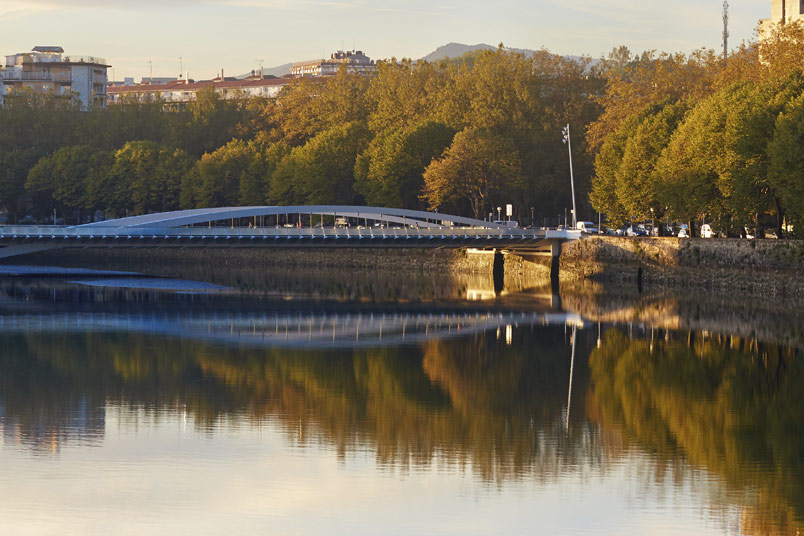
pixel 512 397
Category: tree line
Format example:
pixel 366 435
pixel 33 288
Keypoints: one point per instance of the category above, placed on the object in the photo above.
pixel 674 137
pixel 703 138
pixel 461 136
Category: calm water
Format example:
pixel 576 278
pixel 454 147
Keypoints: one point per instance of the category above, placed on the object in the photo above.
pixel 152 406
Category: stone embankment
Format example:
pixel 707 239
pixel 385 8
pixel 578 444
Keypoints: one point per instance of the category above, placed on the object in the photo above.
pixel 762 268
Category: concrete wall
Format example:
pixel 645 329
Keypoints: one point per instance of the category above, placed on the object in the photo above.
pixel 752 267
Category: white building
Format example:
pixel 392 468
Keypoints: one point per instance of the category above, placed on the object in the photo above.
pixel 184 90
pixel 355 61
pixel 781 11
pixel 47 69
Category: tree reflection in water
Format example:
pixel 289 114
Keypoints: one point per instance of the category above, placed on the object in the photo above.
pixel 731 405
pixel 727 405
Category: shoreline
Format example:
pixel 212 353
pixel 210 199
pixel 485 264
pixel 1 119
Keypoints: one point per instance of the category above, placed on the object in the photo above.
pixel 595 265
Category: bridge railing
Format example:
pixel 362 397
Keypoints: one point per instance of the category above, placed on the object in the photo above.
pixel 42 231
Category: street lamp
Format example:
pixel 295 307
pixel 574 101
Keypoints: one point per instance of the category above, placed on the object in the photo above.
pixel 568 141
pixel 499 213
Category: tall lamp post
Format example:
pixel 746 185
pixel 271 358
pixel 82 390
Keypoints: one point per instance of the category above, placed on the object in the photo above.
pixel 568 141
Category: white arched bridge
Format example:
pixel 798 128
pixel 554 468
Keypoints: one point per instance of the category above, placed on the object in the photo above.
pixel 286 226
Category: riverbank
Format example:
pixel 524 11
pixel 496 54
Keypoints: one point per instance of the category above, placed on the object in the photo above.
pixel 760 268
pixel 752 268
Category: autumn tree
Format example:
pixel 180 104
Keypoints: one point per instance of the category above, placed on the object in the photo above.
pixel 477 169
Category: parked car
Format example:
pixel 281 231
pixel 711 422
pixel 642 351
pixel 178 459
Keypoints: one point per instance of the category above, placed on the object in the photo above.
pixel 635 231
pixel 510 223
pixel 586 227
pixel 706 231
pixel 683 233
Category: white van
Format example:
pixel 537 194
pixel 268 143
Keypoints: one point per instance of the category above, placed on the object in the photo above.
pixel 586 227
pixel 509 223
pixel 706 231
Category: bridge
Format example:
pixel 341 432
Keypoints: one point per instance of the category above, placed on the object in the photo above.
pixel 245 227
pixel 300 329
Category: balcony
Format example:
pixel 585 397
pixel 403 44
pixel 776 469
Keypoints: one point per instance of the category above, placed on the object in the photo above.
pixel 85 59
pixel 35 76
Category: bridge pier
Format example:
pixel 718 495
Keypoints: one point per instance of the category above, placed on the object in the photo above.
pixel 555 258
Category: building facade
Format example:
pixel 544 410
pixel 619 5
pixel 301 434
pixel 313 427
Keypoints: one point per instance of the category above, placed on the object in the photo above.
pixel 781 11
pixel 354 60
pixel 185 90
pixel 46 69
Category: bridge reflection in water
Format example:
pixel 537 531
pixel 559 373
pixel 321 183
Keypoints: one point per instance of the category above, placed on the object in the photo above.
pixel 293 330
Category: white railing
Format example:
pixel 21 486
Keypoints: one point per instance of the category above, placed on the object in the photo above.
pixel 46 231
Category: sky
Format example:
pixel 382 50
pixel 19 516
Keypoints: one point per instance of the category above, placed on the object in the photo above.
pixel 135 36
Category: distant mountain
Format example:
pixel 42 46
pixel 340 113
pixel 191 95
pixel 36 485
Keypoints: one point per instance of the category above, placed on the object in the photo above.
pixel 456 50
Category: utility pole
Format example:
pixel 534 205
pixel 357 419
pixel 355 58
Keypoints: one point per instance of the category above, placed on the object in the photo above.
pixel 151 71
pixel 725 29
pixel 181 66
pixel 568 141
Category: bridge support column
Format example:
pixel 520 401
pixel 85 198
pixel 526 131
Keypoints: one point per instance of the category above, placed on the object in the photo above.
pixel 498 271
pixel 555 262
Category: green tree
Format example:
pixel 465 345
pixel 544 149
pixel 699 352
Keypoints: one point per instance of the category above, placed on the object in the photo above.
pixel 148 176
pixel 63 178
pixel 209 122
pixel 322 170
pixel 390 171
pixel 236 174
pixel 15 164
pixel 786 167
pixel 638 186
pixel 479 168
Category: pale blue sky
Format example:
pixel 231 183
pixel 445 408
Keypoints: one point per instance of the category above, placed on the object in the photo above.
pixel 234 34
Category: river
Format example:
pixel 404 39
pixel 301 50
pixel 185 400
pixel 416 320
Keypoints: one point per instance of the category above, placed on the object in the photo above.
pixel 341 403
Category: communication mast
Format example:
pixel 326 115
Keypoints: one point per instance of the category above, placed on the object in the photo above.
pixel 725 29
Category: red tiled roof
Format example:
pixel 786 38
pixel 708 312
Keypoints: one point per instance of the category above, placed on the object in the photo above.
pixel 179 85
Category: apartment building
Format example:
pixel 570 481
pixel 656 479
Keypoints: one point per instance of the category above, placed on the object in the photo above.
pixel 47 69
pixel 355 61
pixel 184 90
pixel 781 11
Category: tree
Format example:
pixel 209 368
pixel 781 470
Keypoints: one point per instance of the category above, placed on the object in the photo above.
pixel 310 106
pixel 786 170
pixel 63 178
pixel 638 187
pixel 209 122
pixel 390 171
pixel 236 174
pixel 322 170
pixel 649 79
pixel 148 175
pixel 479 168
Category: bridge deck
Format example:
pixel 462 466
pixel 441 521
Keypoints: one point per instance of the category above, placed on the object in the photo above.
pixel 31 238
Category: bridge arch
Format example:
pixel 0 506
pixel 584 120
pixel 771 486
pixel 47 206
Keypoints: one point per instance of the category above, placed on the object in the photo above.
pixel 181 218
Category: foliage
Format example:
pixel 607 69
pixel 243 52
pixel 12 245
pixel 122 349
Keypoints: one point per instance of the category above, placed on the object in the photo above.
pixel 321 171
pixel 389 172
pixel 477 169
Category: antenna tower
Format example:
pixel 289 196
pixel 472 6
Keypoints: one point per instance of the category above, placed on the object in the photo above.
pixel 725 29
